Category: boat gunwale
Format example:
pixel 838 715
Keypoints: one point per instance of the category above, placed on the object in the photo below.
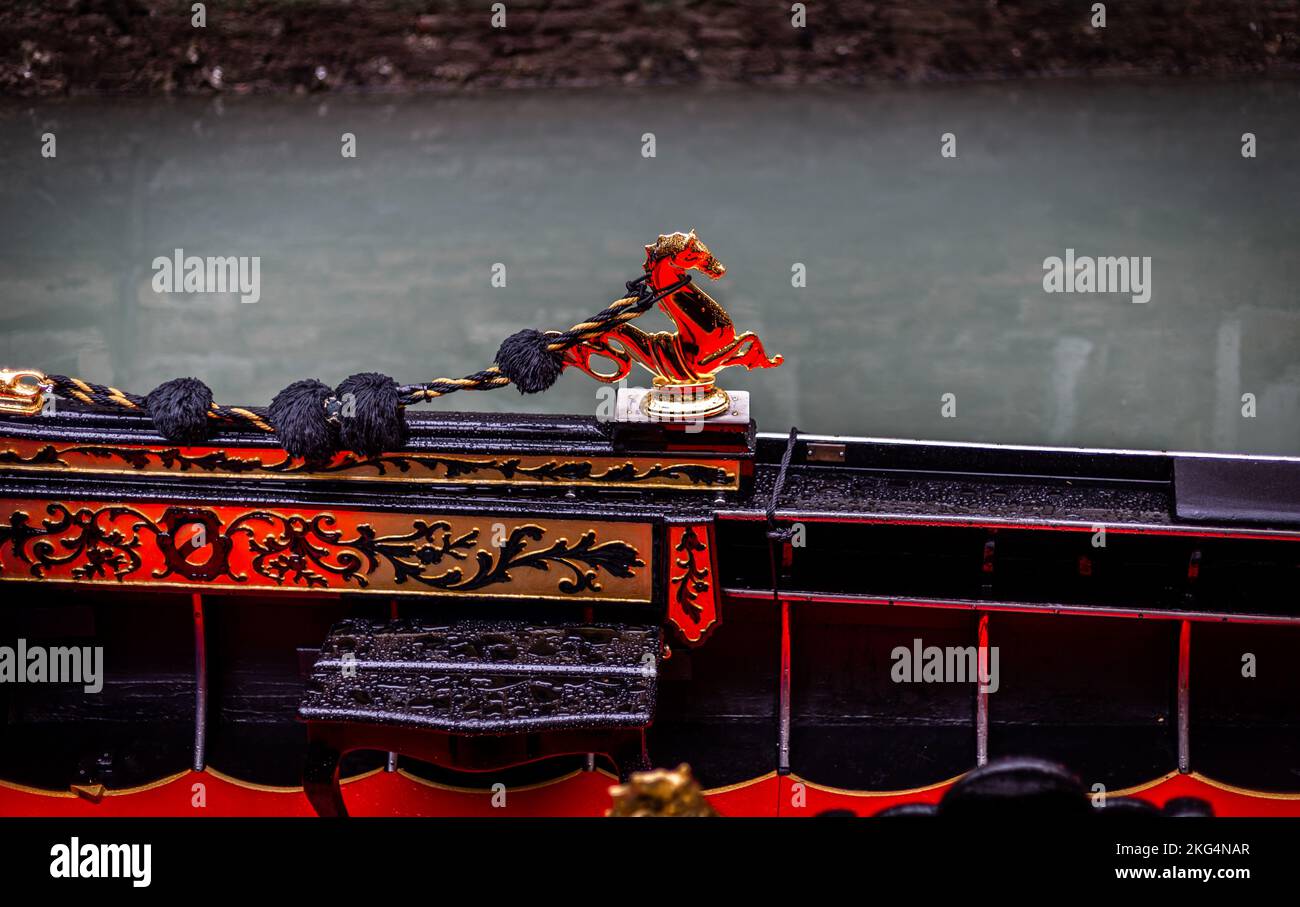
pixel 993 447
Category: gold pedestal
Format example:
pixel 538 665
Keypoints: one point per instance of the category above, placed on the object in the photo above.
pixel 671 402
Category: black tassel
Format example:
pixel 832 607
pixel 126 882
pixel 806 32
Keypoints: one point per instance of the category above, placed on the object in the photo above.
pixel 179 409
pixel 525 360
pixel 298 415
pixel 370 417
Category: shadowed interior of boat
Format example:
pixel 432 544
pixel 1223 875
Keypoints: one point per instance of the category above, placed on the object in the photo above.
pixel 1096 693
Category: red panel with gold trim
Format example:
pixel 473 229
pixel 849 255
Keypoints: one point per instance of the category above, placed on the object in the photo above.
pixel 398 793
pixel 342 551
pixel 799 797
pixel 694 606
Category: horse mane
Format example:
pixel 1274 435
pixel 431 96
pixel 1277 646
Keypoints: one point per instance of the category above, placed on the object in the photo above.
pixel 671 243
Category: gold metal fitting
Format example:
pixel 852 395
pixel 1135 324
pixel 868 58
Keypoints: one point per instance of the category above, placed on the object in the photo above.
pixel 22 391
pixel 660 793
pixel 671 401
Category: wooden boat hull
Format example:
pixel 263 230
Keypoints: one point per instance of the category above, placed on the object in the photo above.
pixel 1138 603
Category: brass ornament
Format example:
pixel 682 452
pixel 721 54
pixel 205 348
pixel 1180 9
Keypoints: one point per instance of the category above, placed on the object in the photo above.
pixel 683 363
pixel 22 391
pixel 660 793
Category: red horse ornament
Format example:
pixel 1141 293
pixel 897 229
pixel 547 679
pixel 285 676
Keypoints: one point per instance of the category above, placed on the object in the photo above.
pixel 684 363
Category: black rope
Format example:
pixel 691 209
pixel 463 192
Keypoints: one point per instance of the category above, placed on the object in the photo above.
pixel 779 535
pixel 772 531
pixel 618 311
pixel 181 407
pixel 636 303
pixel 94 394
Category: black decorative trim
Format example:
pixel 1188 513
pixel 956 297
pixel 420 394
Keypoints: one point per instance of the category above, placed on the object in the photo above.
pixel 219 461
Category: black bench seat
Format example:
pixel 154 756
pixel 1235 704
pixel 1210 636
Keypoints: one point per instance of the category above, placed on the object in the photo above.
pixel 477 695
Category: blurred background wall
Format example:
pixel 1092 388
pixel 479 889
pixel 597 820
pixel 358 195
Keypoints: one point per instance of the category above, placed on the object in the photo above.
pixel 50 47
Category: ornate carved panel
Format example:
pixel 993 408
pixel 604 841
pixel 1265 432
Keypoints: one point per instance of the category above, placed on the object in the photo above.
pixel 485 676
pixel 346 551
pixel 668 471
pixel 693 602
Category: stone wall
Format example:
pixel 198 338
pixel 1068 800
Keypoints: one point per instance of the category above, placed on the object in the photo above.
pixel 151 47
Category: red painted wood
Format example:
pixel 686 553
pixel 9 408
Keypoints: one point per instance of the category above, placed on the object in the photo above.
pixel 694 601
pixel 579 794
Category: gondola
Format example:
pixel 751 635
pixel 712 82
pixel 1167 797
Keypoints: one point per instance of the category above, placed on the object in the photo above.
pixel 506 615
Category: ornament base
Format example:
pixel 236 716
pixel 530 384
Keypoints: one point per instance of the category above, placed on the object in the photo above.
pixel 685 402
pixel 649 405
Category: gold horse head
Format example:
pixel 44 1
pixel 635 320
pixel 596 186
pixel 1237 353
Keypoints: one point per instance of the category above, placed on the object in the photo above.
pixel 683 252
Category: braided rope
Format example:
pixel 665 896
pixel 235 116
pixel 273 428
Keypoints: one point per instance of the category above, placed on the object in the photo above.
pixel 239 415
pixel 95 394
pixel 619 312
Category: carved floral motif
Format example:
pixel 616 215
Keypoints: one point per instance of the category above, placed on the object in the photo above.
pixel 236 547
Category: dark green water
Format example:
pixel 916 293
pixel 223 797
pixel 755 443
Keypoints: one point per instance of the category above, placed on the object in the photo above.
pixel 924 274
